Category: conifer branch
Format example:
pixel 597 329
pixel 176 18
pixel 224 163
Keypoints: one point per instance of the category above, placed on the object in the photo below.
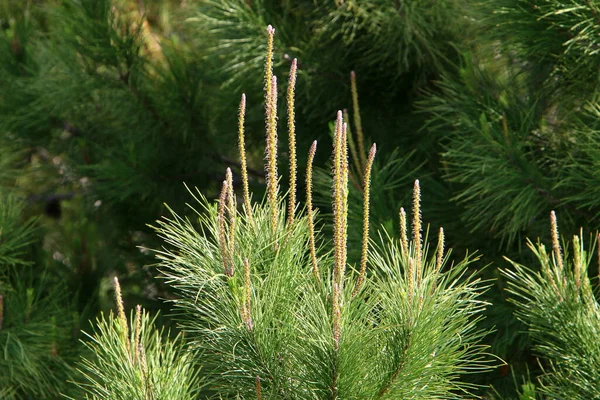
pixel 365 238
pixel 292 140
pixel 562 324
pixel 243 162
pixel 358 122
pixel 390 381
pixel 309 209
pixel 285 296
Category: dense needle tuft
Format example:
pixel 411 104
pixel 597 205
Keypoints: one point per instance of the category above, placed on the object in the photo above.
pixel 299 332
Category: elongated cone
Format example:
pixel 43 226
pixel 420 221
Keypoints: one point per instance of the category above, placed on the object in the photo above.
pixel 121 314
pixel 292 140
pixel 366 200
pixel 243 162
pixel 417 238
pixel 309 209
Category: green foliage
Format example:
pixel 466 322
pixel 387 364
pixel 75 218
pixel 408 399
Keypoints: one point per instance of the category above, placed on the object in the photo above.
pixel 36 317
pixel 559 307
pixel 559 38
pixel 394 344
pixel 393 46
pixel 16 235
pixel 494 151
pixel 36 338
pixel 107 106
pixel 103 113
pixel 139 363
pixel 579 179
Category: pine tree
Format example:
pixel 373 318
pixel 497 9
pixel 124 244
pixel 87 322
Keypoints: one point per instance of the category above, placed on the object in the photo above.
pixel 275 309
pixel 132 360
pixel 559 307
pixel 517 121
pixel 492 105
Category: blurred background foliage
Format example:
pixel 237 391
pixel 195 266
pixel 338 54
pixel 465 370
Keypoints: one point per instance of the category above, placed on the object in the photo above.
pixel 108 106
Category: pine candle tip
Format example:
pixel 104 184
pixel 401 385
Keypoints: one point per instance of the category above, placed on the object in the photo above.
pixel 373 151
pixel 313 145
pixel 244 98
pixel 270 30
pixel 553 220
pixel 555 239
pixel 352 74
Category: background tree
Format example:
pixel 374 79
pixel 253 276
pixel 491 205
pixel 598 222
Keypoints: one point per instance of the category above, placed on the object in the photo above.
pixel 106 107
pixel 558 305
